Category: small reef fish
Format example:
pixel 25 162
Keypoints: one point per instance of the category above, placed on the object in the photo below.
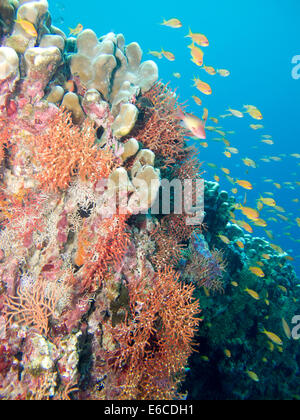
pixel 227 353
pixel 240 244
pixel 234 284
pixel 156 54
pixel 168 55
pixel 194 124
pixel 216 178
pixel 254 112
pixel 177 75
pixel 209 70
pixel 256 126
pixel 249 162
pixel 197 54
pixel 245 184
pixel 227 154
pixel 273 337
pixel 223 72
pixel 257 271
pixel 260 222
pixel 252 293
pixel 202 86
pixel 236 113
pixel 77 30
pixel 197 38
pixel 172 23
pixel 286 328
pixel 251 213
pixel 197 100
pixel 268 141
pixel 27 26
pixel 224 239
pixel 268 201
pixel 252 375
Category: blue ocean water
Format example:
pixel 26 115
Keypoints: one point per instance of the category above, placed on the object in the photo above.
pixel 256 41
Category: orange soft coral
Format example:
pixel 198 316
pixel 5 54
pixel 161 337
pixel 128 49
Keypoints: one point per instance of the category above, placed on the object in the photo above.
pixel 156 339
pixel 161 131
pixel 64 150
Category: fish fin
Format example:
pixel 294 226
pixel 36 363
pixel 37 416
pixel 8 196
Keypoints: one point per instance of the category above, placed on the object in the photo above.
pixel 189 34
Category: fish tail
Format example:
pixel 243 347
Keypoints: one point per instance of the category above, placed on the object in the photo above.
pixel 189 34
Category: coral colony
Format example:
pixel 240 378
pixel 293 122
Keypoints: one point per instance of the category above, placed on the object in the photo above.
pixel 98 294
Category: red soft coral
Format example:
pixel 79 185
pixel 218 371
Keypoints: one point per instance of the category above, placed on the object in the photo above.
pixel 64 150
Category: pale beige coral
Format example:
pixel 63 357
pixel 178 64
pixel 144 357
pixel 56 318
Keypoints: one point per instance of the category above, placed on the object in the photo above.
pixel 56 94
pixel 42 60
pixel 146 183
pixel 125 121
pixel 113 69
pixel 144 157
pixel 52 41
pixel 71 103
pixel 9 72
pixel 131 147
pixel 31 11
pixel 9 63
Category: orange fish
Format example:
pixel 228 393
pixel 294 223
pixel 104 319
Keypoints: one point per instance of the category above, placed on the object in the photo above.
pixel 168 55
pixel 197 100
pixel 245 184
pixel 76 30
pixel 194 124
pixel 27 26
pixel 199 39
pixel 197 55
pixel 202 86
pixel 172 23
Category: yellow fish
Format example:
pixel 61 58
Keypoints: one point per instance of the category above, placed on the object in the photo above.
pixel 298 221
pixel 226 171
pixel 27 26
pixel 256 126
pixel 252 375
pixel 286 328
pixel 227 154
pixel 268 201
pixel 156 54
pixel 197 55
pixel 254 112
pixel 251 213
pixel 216 178
pixel 234 283
pixel 76 30
pixel 197 100
pixel 249 162
pixel 252 293
pixel 202 86
pixel 177 75
pixel 266 256
pixel 236 113
pixel 245 184
pixel 209 70
pixel 267 141
pixel 224 239
pixel 273 337
pixel 223 72
pixel 240 244
pixel 257 271
pixel 168 55
pixel 172 23
pixel 227 353
pixel 260 222
pixel 199 39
